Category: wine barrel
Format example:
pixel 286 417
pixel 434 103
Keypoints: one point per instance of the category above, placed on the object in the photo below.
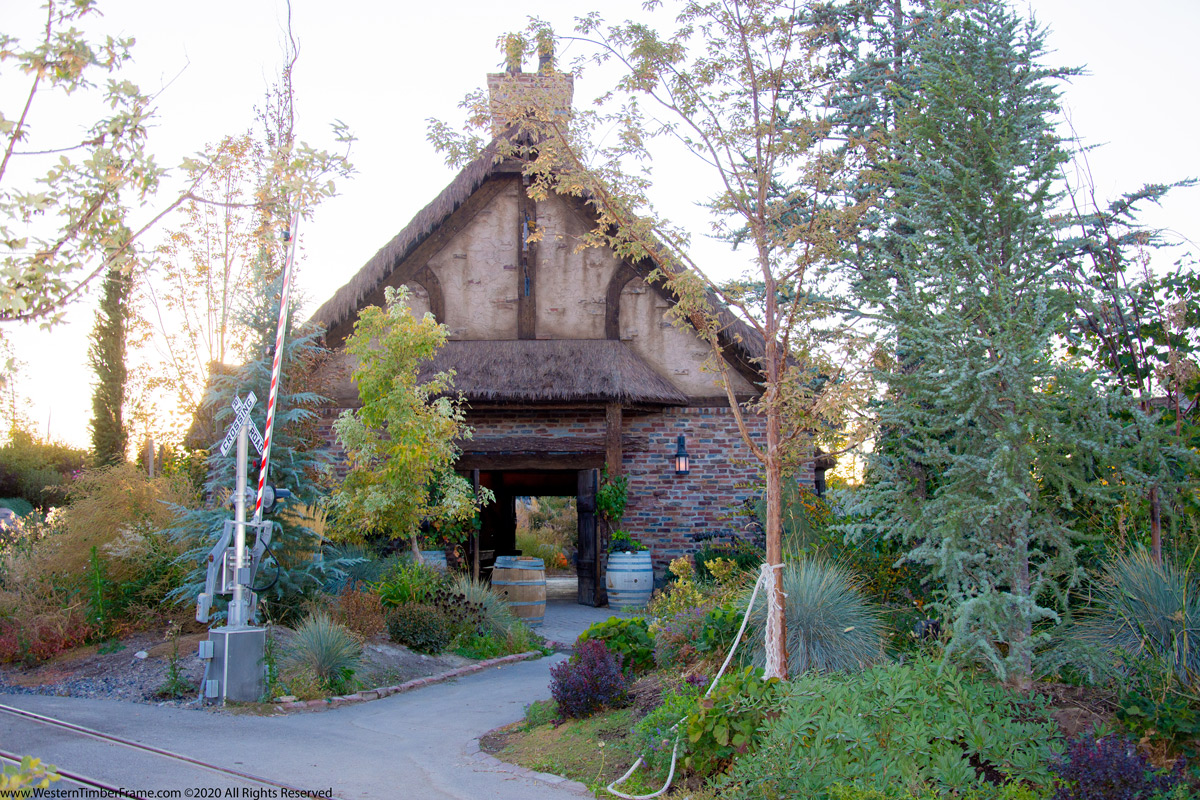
pixel 629 580
pixel 521 581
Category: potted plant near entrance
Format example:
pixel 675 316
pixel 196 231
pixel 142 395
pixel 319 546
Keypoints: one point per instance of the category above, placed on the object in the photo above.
pixel 630 575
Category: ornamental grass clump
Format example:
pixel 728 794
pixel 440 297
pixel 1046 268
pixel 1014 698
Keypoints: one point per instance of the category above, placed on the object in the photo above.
pixel 830 625
pixel 324 650
pixel 1147 610
pixel 589 681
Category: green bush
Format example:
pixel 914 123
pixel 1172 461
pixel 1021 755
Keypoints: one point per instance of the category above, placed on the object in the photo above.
pixel 727 722
pixel 324 649
pixel 747 557
pixel 921 727
pixel 628 637
pixel 419 627
pixel 718 630
pixel 408 582
pixel 19 505
pixel 655 735
pixel 1010 791
pixel 830 626
pixel 540 712
pixel 38 471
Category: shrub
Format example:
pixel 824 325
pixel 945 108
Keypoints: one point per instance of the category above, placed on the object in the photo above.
pixel 830 626
pixel 540 712
pixel 37 471
pixel 746 556
pixel 19 505
pixel 408 582
pixel 676 637
pixel 681 594
pixel 921 725
pixel 628 637
pixel 1159 712
pixel 357 566
pixel 35 636
pixel 655 735
pixel 420 627
pixel 727 722
pixel 326 650
pixel 718 630
pixel 359 611
pixel 22 779
pixel 1110 769
pixel 591 679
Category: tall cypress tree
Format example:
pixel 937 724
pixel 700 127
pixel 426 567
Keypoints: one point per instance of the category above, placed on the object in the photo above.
pixel 992 437
pixel 107 356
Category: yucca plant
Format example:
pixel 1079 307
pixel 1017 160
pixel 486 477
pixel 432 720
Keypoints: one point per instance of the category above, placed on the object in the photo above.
pixel 831 626
pixel 1147 610
pixel 324 649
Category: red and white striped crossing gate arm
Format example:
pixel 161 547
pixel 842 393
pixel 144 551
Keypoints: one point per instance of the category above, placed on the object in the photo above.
pixel 277 364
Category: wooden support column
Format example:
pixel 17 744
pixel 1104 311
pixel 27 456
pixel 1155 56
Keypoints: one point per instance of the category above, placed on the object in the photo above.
pixel 475 532
pixel 526 265
pixel 612 438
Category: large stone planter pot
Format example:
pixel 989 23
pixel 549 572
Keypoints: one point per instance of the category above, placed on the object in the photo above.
pixel 630 579
pixel 521 581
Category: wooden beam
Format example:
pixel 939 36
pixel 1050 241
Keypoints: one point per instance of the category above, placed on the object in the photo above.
pixel 612 438
pixel 526 265
pixel 500 461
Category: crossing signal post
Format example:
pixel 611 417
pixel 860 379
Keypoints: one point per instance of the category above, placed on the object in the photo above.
pixel 234 654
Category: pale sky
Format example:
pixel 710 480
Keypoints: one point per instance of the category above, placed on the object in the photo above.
pixel 384 68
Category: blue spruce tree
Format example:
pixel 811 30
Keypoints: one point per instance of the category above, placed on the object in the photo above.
pixel 988 437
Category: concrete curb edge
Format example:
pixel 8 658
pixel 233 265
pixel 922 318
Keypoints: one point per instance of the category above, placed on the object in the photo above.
pixel 365 695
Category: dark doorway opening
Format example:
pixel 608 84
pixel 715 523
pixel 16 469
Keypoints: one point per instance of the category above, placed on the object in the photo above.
pixel 499 522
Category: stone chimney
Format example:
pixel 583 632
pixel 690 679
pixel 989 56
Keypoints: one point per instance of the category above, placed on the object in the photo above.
pixel 515 95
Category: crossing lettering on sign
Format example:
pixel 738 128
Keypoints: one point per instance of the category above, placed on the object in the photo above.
pixel 241 412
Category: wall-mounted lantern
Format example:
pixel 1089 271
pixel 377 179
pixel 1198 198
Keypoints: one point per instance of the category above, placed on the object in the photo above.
pixel 682 462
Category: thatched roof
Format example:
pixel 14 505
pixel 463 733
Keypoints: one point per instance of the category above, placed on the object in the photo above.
pixel 553 371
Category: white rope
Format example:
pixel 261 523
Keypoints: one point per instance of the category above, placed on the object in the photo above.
pixel 774 666
pixel 763 575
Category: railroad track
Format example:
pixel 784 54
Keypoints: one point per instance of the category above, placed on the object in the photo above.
pixel 197 792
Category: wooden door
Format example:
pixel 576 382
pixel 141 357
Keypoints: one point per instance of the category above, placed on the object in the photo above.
pixel 591 575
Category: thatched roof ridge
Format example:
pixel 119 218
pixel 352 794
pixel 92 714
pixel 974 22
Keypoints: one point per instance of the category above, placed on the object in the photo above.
pixel 553 371
pixel 346 301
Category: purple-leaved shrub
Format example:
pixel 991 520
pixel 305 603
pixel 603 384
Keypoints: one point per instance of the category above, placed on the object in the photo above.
pixel 1110 768
pixel 589 681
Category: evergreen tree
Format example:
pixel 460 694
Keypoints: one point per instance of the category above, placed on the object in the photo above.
pixel 991 436
pixel 107 356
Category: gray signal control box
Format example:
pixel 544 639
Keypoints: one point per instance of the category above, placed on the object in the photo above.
pixel 234 668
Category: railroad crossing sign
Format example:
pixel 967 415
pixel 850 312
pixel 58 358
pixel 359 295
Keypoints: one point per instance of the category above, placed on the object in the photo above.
pixel 241 410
